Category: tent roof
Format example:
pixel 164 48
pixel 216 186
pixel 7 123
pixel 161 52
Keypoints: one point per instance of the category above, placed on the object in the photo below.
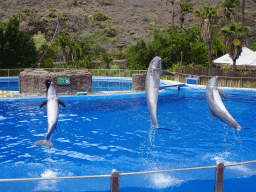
pixel 247 57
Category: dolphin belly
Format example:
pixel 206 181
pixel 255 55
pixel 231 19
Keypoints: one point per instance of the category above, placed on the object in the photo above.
pixel 152 90
pixel 217 108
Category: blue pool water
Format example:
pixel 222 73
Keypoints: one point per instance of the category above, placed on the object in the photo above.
pixel 99 133
pixel 98 84
pixel 9 84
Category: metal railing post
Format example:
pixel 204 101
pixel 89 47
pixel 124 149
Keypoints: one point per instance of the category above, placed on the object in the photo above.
pixel 219 177
pixel 115 181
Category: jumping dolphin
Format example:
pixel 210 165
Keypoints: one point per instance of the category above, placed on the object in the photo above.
pixel 52 103
pixel 152 87
pixel 216 105
pixel 47 84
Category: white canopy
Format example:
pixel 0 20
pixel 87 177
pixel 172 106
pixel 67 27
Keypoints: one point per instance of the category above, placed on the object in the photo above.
pixel 247 57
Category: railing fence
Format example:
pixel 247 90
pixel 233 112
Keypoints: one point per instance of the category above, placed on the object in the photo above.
pixel 115 175
pixel 94 72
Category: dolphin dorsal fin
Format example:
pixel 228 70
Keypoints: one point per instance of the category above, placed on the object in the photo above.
pixel 61 102
pixel 222 94
pixel 44 103
pixel 167 73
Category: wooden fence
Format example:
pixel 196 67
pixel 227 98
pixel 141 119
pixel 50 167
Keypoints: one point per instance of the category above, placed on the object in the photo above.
pixel 225 79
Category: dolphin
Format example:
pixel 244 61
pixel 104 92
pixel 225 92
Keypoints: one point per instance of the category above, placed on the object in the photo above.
pixel 52 103
pixel 152 84
pixel 217 108
pixel 47 84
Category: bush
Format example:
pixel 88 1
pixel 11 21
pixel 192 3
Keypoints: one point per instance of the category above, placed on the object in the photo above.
pixel 109 31
pixel 169 47
pixel 100 16
pixel 48 63
pixel 63 16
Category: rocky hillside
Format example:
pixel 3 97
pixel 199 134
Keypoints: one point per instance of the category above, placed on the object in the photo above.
pixel 129 19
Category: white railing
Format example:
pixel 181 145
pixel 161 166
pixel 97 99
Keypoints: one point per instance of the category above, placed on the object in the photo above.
pixel 115 175
pixel 94 72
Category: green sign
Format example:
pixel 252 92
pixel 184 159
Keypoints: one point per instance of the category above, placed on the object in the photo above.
pixel 63 81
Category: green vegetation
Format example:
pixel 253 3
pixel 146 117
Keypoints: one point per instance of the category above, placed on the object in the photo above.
pixel 17 50
pixel 109 31
pixel 169 47
pixel 253 45
pixel 234 35
pixel 100 16
pixel 63 16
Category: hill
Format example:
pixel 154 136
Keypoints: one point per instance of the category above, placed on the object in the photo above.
pixel 129 20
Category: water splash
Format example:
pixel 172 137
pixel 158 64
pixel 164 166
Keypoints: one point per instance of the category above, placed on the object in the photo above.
pixel 48 185
pixel 161 181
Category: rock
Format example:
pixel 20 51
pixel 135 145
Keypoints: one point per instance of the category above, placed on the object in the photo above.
pixel 138 82
pixel 33 81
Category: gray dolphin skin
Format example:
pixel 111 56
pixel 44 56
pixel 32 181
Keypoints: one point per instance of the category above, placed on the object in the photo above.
pixel 217 108
pixel 52 103
pixel 152 85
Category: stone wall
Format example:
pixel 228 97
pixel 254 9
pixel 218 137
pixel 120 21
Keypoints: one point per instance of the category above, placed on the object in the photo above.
pixel 32 81
pixel 138 82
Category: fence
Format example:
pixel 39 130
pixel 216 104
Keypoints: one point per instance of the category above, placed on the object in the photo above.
pixel 94 72
pixel 115 175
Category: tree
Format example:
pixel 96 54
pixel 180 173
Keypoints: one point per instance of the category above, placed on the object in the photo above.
pixel 235 39
pixel 17 48
pixel 65 40
pixel 208 14
pixel 229 8
pixel 169 47
pixel 185 8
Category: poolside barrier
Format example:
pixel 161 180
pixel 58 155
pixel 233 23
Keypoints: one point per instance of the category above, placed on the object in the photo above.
pixel 115 175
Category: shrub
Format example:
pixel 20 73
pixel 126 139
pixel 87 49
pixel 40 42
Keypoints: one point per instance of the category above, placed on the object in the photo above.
pixel 52 13
pixel 100 16
pixel 109 31
pixel 48 63
pixel 64 16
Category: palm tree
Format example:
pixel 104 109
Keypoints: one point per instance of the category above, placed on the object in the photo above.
pixel 172 2
pixel 243 4
pixel 229 8
pixel 209 15
pixel 234 35
pixel 185 8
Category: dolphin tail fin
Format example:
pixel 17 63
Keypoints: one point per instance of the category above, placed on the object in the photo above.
pixel 160 128
pixel 239 128
pixel 44 143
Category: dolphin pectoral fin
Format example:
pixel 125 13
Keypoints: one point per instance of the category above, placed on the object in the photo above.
pixel 222 94
pixel 167 73
pixel 44 143
pixel 61 102
pixel 160 128
pixel 211 115
pixel 44 103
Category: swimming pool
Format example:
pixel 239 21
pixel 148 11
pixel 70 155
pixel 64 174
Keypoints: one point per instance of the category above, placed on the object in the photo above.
pixel 99 133
pixel 99 84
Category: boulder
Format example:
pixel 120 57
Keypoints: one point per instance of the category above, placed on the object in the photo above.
pixel 32 81
pixel 138 82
